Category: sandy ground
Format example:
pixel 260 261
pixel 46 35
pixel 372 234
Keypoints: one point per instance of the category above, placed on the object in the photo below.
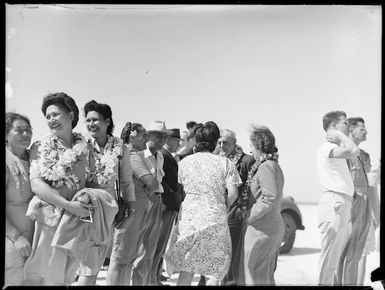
pixel 299 267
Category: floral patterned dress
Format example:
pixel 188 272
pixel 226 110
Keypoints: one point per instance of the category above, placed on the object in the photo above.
pixel 200 242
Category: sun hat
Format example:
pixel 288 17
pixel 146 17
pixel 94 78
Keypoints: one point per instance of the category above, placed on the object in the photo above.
pixel 157 126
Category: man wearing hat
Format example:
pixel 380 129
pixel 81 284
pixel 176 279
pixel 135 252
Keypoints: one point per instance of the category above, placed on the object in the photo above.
pixel 153 158
pixel 172 197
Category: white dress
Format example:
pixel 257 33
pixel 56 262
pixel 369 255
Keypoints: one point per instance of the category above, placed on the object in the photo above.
pixel 200 242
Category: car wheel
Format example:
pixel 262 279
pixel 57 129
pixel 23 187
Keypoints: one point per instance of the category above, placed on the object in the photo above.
pixel 289 237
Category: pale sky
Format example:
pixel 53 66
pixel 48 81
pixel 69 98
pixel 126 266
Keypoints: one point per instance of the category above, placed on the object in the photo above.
pixel 280 66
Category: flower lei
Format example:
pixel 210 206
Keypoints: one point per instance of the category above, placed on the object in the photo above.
pixel 56 161
pixel 244 200
pixel 235 158
pixel 105 162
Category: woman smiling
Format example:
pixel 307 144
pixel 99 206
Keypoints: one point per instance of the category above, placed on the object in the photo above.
pixel 58 167
pixel 19 228
pixel 110 163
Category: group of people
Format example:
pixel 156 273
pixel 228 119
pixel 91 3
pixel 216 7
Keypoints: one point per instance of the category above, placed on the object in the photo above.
pixel 349 210
pixel 148 201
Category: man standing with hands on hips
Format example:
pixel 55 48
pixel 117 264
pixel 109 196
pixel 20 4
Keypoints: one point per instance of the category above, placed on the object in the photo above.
pixel 335 204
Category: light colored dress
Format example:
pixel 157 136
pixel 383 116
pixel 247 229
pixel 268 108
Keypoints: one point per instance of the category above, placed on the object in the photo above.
pixel 18 194
pixel 89 267
pixel 45 265
pixel 200 242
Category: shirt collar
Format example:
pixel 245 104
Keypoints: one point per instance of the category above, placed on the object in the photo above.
pixel 147 153
pixel 96 145
pixel 165 147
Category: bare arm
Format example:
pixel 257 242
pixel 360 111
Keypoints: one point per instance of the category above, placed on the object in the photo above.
pixel 49 194
pixel 232 191
pixel 125 178
pixel 52 196
pixel 349 148
pixel 20 242
pixel 232 183
pixel 11 231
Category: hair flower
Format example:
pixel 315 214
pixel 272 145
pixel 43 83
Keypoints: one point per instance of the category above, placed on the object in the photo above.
pixel 133 133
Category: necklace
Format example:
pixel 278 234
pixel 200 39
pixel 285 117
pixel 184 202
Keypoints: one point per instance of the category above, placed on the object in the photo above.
pixel 56 160
pixel 244 200
pixel 106 160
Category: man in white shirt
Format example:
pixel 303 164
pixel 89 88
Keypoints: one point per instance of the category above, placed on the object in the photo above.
pixel 154 160
pixel 337 184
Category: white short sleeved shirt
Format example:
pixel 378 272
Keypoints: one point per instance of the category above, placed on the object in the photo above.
pixel 333 172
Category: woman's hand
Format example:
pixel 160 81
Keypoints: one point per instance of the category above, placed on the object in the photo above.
pixel 23 246
pixel 79 209
pixel 126 222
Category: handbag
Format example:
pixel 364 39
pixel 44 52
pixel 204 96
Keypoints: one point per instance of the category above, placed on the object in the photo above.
pixel 122 210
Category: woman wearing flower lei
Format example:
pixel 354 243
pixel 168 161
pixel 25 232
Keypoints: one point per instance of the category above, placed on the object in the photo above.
pixel 265 227
pixel 110 163
pixel 58 166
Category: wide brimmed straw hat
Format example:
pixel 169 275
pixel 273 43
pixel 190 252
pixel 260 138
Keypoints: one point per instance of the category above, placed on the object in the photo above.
pixel 158 126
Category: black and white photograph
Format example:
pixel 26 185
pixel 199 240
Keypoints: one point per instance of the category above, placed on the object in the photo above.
pixel 192 145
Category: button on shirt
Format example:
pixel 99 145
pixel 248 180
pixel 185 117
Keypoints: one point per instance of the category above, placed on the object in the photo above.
pixel 155 165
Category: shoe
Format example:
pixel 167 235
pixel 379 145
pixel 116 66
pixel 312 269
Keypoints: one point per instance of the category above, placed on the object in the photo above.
pixel 163 278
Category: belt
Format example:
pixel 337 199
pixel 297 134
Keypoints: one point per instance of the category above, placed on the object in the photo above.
pixel 345 195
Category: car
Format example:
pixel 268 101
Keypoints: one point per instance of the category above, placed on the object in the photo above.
pixel 293 221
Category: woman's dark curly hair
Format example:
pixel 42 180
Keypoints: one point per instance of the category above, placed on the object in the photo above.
pixel 127 129
pixel 102 109
pixel 263 139
pixel 64 101
pixel 206 136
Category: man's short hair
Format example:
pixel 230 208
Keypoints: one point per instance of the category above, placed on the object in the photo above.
pixel 353 121
pixel 331 117
pixel 230 133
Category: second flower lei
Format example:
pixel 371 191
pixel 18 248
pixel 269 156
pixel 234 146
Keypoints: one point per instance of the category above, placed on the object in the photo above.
pixel 56 161
pixel 250 177
pixel 105 161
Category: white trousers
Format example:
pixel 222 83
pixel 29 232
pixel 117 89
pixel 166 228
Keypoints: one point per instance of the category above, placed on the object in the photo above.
pixel 334 224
